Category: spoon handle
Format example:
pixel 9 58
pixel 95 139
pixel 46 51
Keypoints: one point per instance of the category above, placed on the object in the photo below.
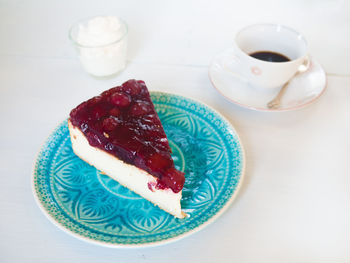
pixel 275 103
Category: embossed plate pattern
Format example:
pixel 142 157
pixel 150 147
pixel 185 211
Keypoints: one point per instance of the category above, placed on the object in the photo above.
pixel 82 201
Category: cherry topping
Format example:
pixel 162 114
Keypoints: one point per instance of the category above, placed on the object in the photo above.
pixel 123 122
pixel 140 108
pixel 120 99
pixel 133 87
pixel 109 92
pixel 94 100
pixel 93 139
pixel 114 112
pixel 84 127
pixel 140 162
pixel 109 147
pixel 151 186
pixel 77 112
pixel 158 162
pixel 98 112
pixel 109 124
pixel 173 179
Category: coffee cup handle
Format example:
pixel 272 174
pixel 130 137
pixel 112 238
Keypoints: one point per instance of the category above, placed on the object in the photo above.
pixel 305 65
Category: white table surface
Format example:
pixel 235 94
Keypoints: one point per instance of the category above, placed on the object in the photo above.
pixel 294 205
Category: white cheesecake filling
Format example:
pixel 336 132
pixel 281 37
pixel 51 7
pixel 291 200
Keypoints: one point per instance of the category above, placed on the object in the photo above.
pixel 128 175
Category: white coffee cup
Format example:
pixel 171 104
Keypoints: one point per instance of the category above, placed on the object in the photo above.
pixel 270 38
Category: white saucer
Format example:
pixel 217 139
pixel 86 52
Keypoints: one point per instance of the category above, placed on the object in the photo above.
pixel 302 91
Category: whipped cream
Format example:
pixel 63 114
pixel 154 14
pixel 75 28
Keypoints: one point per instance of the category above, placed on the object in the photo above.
pixel 102 45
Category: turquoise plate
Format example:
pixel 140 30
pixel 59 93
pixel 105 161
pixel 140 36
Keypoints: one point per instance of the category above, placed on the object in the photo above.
pixel 80 200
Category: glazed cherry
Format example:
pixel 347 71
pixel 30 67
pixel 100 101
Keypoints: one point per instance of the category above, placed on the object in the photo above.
pixel 134 87
pixel 94 100
pixel 98 112
pixel 123 122
pixel 109 124
pixel 140 108
pixel 120 99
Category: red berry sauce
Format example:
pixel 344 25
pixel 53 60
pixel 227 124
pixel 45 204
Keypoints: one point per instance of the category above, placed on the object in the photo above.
pixel 122 121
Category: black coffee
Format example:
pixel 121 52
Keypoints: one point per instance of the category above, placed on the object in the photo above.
pixel 269 56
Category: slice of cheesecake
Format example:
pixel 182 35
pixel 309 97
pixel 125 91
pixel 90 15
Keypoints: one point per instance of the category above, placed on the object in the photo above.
pixel 120 133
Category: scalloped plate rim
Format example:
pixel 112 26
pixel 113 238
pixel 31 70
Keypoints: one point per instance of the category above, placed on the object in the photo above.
pixel 154 243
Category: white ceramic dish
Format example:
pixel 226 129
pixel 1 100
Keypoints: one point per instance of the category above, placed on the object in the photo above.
pixel 302 91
